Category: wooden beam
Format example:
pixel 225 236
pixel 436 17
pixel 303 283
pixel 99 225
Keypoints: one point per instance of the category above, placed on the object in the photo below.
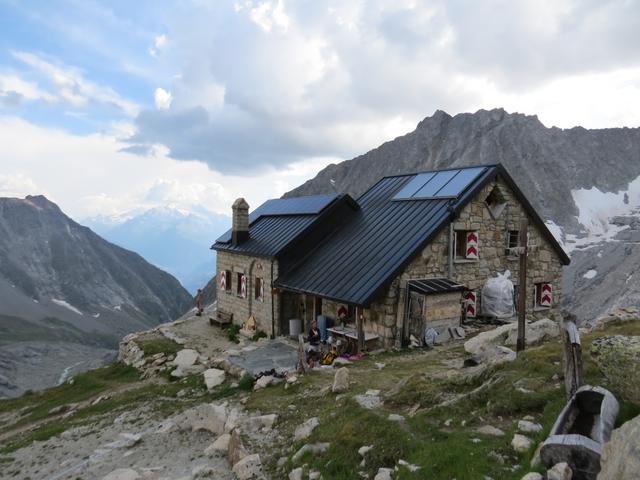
pixel 360 329
pixel 522 285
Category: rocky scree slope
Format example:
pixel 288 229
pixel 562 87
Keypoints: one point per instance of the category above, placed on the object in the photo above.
pixel 549 165
pixel 60 282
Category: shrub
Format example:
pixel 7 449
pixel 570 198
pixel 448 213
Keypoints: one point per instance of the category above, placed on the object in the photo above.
pixel 232 333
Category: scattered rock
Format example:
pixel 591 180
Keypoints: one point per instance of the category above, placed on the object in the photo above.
pixel 394 417
pixel 204 471
pixel 620 459
pixel 533 476
pixel 220 445
pixel 248 467
pixel 236 450
pixel 380 366
pixel 560 471
pixel 315 448
pixel 127 440
pixel 409 466
pixel 264 421
pixel 292 379
pixel 618 358
pixel 213 377
pixel 262 382
pixel 521 443
pixel 181 372
pixel 369 400
pixel 526 426
pixel 186 358
pixel 384 474
pixel 507 335
pixel 340 381
pixel 63 408
pixel 207 416
pixel 314 475
pixel 490 430
pixel 341 362
pixel 122 474
pixel 304 430
pixel 232 420
pixel 296 474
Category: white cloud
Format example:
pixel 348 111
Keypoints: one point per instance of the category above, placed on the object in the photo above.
pixel 72 87
pixel 14 84
pixel 160 41
pixel 105 180
pixel 162 99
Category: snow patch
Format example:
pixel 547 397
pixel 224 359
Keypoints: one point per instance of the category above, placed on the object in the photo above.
pixel 118 308
pixel 590 274
pixel 96 315
pixel 64 304
pixel 597 208
pixel 556 231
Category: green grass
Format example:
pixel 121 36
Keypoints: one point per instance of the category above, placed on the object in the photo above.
pixel 233 332
pixel 416 378
pixel 164 345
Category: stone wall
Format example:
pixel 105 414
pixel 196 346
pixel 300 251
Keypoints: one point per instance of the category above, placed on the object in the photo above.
pixel 243 308
pixel 543 264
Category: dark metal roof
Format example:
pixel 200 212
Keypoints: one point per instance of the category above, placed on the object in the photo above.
pixel 281 223
pixel 435 285
pixel 307 205
pixel 357 262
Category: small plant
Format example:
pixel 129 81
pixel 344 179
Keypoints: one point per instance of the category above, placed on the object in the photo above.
pixel 232 333
pixel 246 382
pixel 258 335
pixel 159 345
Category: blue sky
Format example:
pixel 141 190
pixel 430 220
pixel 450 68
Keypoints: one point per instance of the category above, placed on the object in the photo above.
pixel 108 107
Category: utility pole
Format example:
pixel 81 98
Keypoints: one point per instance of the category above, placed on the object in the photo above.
pixel 522 284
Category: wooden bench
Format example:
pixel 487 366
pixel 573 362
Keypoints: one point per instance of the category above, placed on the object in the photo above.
pixel 222 319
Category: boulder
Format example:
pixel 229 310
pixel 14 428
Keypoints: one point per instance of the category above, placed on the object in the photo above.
pixel 236 450
pixel 181 372
pixel 207 416
pixel 341 381
pixel 263 382
pixel 220 445
pixel 248 467
pixel 122 474
pixel 618 358
pixel 369 400
pixel 315 475
pixel 490 430
pixel 536 332
pixel 533 476
pixel 213 377
pixel 560 471
pixel 232 420
pixel 394 417
pixel 521 443
pixel 296 474
pixel 264 421
pixel 316 448
pixel 620 458
pixel 304 430
pixel 186 358
pixel 525 426
pixel 384 474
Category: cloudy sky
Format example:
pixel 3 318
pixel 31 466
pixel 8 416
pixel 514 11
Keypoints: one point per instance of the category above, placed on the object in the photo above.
pixel 111 106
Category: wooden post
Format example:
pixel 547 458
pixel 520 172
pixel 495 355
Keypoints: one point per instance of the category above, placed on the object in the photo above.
pixel 522 285
pixel 360 329
pixel 302 361
pixel 573 372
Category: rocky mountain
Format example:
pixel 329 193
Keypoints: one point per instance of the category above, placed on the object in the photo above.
pixel 585 183
pixel 62 284
pixel 173 239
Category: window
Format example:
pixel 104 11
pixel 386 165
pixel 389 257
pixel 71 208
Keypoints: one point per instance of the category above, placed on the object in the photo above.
pixel 495 202
pixel 542 295
pixel 241 288
pixel 513 241
pixel 466 245
pixel 259 289
pixel 228 276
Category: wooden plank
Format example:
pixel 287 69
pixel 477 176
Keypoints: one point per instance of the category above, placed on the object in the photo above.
pixel 522 286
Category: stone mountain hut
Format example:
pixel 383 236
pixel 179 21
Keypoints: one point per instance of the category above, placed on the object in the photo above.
pixel 412 252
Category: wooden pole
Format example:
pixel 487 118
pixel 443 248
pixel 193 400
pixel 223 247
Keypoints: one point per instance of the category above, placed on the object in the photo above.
pixel 522 285
pixel 360 329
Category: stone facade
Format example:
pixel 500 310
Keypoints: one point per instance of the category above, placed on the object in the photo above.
pixel 242 308
pixel 544 265
pixel 385 316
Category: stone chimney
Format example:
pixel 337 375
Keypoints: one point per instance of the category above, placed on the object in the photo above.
pixel 240 222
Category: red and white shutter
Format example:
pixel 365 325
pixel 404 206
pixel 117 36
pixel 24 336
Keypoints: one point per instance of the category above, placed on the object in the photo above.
pixel 470 300
pixel 546 295
pixel 223 280
pixel 243 286
pixel 472 246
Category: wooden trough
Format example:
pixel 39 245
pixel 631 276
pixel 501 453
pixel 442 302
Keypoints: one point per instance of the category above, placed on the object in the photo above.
pixel 581 429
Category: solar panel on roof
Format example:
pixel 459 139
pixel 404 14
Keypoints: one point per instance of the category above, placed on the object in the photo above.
pixel 414 185
pixel 445 184
pixel 458 183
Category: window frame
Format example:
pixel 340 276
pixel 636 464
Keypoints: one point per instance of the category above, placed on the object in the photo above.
pixel 228 280
pixel 258 288
pixel 537 296
pixel 460 243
